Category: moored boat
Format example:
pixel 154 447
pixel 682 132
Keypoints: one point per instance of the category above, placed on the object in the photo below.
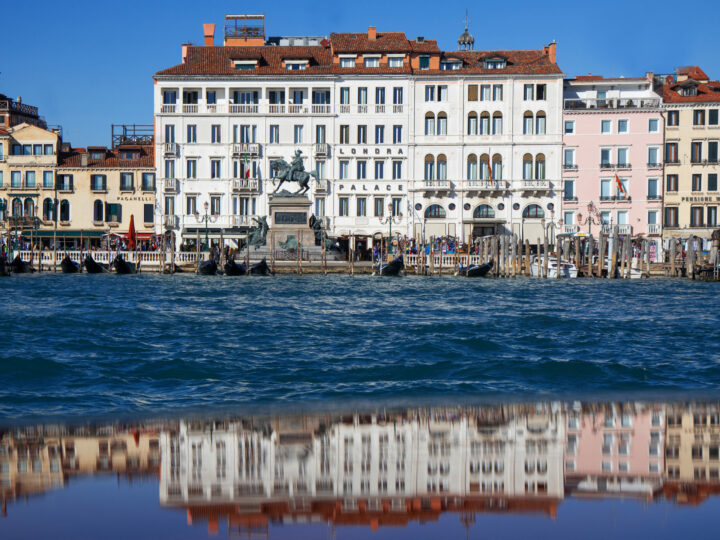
pixel 476 270
pixel 260 269
pixel 4 267
pixel 18 266
pixel 232 268
pixel 94 267
pixel 124 267
pixel 68 266
pixel 393 268
pixel 567 269
pixel 207 268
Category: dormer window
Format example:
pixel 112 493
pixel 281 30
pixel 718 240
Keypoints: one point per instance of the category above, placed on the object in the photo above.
pixel 244 65
pixel 424 62
pixel 450 65
pixel 296 65
pixel 97 154
pixel 495 63
pixel 372 61
pixel 396 61
pixel 347 61
pixel 688 91
pixel 129 154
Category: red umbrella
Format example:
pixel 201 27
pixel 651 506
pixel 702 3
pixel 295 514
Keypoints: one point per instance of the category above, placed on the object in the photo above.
pixel 131 233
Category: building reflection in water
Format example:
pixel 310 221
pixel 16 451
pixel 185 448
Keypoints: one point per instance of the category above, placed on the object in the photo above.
pixel 386 468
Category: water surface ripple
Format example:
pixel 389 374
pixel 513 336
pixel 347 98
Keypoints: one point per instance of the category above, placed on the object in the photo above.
pixel 94 344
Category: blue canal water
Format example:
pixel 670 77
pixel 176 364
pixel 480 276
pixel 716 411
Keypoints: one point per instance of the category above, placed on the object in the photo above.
pixel 94 345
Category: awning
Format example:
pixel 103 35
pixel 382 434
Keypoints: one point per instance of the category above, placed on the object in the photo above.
pixel 66 234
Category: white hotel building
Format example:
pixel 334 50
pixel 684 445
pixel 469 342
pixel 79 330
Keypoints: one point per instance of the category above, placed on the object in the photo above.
pixel 461 143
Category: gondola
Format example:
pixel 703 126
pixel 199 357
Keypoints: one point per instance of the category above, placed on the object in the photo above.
pixel 123 267
pixel 208 268
pixel 4 267
pixel 234 269
pixel 18 266
pixel 68 266
pixel 173 269
pixel 476 270
pixel 260 269
pixel 393 268
pixel 93 267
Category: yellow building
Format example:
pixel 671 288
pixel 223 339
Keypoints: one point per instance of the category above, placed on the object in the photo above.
pixel 692 164
pixel 692 445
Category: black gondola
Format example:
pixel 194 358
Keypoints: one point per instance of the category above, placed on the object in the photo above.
pixel 123 267
pixel 234 269
pixel 260 269
pixel 170 270
pixel 18 266
pixel 69 266
pixel 208 268
pixel 94 267
pixel 393 268
pixel 4 267
pixel 476 270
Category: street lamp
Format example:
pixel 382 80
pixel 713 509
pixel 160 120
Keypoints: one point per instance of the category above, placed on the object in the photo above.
pixel 389 220
pixel 207 218
pixel 593 218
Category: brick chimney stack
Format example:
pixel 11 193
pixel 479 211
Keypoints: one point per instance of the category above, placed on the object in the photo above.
pixel 209 33
pixel 372 33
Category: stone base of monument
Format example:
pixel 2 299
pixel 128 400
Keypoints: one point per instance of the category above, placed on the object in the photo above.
pixel 289 221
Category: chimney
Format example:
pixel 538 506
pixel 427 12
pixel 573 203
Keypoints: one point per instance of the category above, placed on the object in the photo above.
pixel 372 33
pixel 209 33
pixel 184 51
pixel 551 51
pixel 19 100
pixel 84 159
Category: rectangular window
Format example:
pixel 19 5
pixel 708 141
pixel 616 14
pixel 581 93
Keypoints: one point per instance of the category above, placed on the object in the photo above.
pixel 215 133
pixel 320 207
pixel 344 169
pixel 191 168
pixel 397 95
pixel 397 134
pixel 430 125
pixel 30 179
pixel 169 133
pixel 361 169
pixel 430 93
pixel 713 117
pixel 671 216
pixel 347 62
pixel 569 190
pixel 424 62
pixel 344 206
pixel 379 170
pixel 371 62
pixel 274 134
pixel 442 93
pixel 37 149
pixel 211 97
pixel 623 126
pixel 606 126
pixel 653 156
pixel 98 182
pixel 148 181
pixel 320 134
pixel 395 62
pixel 653 125
pixel 215 206
pixel 396 206
pixel 569 158
pixel 696 152
pixel 48 150
pixel 361 207
pixel 362 95
pixel 696 216
pixel 497 92
pixel 298 134
pixel 379 95
pixel 605 157
pixel 622 194
pixel 541 92
pixel 528 92
pixel 671 152
pixel 569 127
pixel 344 96
pixel 442 125
pixel 192 133
pixel 652 217
pixel 712 222
pixel 697 182
pixel 397 170
pixel 169 168
pixel 379 134
pixel 362 134
pixel 344 134
pixel 605 189
pixel 622 157
pixel 699 117
pixel 712 182
pixel 673 118
pixel 214 168
pixel 712 151
pixel 485 92
pixel 671 182
pixel 472 92
pixel 48 179
pixel 653 189
pixel 126 181
pixel 379 206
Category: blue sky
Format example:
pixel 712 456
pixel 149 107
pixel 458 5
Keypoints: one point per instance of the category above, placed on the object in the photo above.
pixel 90 64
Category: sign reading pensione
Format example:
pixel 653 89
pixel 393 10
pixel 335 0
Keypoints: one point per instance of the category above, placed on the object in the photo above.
pixel 291 218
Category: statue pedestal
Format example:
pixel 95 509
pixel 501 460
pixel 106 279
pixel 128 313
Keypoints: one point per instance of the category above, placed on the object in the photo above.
pixel 289 217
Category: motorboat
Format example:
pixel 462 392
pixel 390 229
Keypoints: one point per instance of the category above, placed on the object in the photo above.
pixel 121 266
pixel 68 266
pixel 260 269
pixel 476 270
pixel 393 268
pixel 208 268
pixel 567 268
pixel 232 268
pixel 94 267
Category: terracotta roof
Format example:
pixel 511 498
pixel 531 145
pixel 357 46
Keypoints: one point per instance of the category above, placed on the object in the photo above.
pixel 4 132
pixel 360 43
pixel 706 92
pixel 73 159
pixel 692 72
pixel 219 60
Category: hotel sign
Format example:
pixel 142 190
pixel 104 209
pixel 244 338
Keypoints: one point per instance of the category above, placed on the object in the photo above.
pixel 700 199
pixel 138 198
pixel 372 151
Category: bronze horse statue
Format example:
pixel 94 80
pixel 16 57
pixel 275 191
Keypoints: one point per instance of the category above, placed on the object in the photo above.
pixel 286 174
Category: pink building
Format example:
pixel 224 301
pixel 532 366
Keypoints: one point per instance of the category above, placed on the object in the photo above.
pixel 613 130
pixel 615 449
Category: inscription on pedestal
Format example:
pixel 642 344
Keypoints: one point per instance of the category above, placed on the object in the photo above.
pixel 291 218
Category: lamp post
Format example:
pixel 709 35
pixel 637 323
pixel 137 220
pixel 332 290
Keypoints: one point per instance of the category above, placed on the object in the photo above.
pixel 593 217
pixel 389 220
pixel 207 218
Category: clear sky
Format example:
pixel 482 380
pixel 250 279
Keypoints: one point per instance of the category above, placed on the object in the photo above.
pixel 88 64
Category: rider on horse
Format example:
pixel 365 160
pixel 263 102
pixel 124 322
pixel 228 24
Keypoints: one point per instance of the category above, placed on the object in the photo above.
pixel 296 165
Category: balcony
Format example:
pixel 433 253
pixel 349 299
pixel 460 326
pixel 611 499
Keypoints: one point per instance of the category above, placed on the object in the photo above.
pixel 570 198
pixel 321 185
pixel 380 109
pixel 612 103
pixel 242 221
pixel 252 108
pixel 535 185
pixel 322 150
pixel 653 229
pixel 276 108
pixel 171 149
pixel 171 185
pixel 486 185
pixel 171 221
pixel 606 166
pixel 654 197
pixel 624 229
pixel 245 185
pixel 246 149
pixel 437 186
pixel 300 108
pixel 320 109
pixel 654 165
pixel 169 108
pixel 190 108
pixel 362 109
pixel 623 166
pixel 397 109
pixel 570 167
pixel 570 228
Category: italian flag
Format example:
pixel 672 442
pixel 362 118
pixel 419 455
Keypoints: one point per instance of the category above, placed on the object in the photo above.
pixel 247 166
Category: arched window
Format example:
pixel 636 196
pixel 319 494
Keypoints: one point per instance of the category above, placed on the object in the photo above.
pixel 434 211
pixel 484 211
pixel 429 124
pixel 29 208
pixel 441 167
pixel 527 123
pixel 533 211
pixel 429 167
pixel 540 167
pixel 497 127
pixel 47 212
pixel 442 123
pixel 540 123
pixel 485 123
pixel 98 208
pixel 497 167
pixel 17 208
pixel 527 168
pixel 472 170
pixel 484 167
pixel 65 210
pixel 472 125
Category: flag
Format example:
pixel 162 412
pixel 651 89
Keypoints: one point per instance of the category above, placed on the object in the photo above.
pixel 247 166
pixel 620 186
pixel 490 171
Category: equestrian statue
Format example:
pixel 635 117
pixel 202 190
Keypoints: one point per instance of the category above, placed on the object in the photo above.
pixel 293 172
